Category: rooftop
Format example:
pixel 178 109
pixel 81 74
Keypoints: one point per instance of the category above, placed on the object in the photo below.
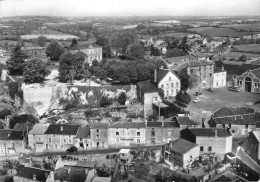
pixel 4 134
pixel 236 120
pixel 239 69
pixel 128 125
pixel 219 70
pixel 83 132
pixel 181 146
pixel 100 126
pixel 39 128
pixel 208 132
pixel 256 72
pixel 17 135
pixel 28 172
pixel 231 111
pixel 22 127
pixel 168 124
pixel 148 87
pixel 62 129
pixel 257 135
pixel 184 120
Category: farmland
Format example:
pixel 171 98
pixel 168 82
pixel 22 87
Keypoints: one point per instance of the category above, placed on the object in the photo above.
pixel 13 42
pixel 218 32
pixel 249 48
pixel 238 54
pixel 245 27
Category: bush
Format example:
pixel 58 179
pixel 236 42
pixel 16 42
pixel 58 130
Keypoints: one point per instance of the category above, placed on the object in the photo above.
pixel 4 113
pixel 13 89
pixel 105 102
pixel 21 119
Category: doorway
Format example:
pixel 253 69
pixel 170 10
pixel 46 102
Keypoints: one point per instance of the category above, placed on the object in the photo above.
pixel 248 84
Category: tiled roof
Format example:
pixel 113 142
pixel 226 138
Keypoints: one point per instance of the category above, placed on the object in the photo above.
pixel 236 120
pixel 39 129
pixel 161 73
pixel 182 146
pixel 4 134
pixel 169 124
pixel 17 135
pixel 128 125
pixel 209 132
pixel 230 111
pixel 148 87
pixel 219 70
pixel 256 72
pixel 62 129
pixel 22 127
pixel 66 173
pixel 239 69
pixel 257 135
pixel 83 132
pixel 184 120
pixel 248 160
pixel 28 172
pixel 100 126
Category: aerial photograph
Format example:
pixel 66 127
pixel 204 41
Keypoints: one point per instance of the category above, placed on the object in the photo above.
pixel 129 90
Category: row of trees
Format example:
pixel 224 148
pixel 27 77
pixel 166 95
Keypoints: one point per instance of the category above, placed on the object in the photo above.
pixel 177 47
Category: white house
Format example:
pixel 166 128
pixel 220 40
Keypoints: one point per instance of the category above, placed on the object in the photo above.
pixel 219 77
pixel 167 81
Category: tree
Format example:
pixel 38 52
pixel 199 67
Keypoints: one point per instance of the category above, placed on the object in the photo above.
pixel 142 72
pixel 175 52
pixel 155 51
pixel 65 67
pixel 136 52
pixel 4 113
pixel 141 170
pixel 243 58
pixel 122 98
pixel 78 65
pixel 21 119
pixel 105 102
pixel 184 44
pixel 95 62
pixel 15 64
pixel 73 42
pixel 121 74
pixel 41 41
pixel 13 88
pixel 6 46
pixel 183 98
pixel 131 72
pixel 54 50
pixel 34 71
pixel 122 40
pixel 185 79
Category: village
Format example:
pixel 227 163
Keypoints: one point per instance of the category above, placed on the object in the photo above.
pixel 126 108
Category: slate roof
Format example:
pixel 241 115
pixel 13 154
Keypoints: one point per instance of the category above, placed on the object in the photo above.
pixel 102 179
pixel 62 129
pixel 248 160
pixel 257 135
pixel 239 69
pixel 184 120
pixel 193 63
pixel 148 87
pixel 39 129
pixel 128 125
pixel 208 132
pixel 256 72
pixel 168 124
pixel 22 127
pixel 231 111
pixel 83 132
pixel 4 134
pixel 28 172
pixel 100 126
pixel 161 73
pixel 219 70
pixel 235 120
pixel 16 135
pixel 182 146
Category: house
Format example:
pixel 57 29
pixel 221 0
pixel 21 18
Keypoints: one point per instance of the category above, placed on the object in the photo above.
pixel 168 81
pixel 124 155
pixel 249 81
pixel 82 139
pixel 181 153
pixel 91 52
pixel 164 50
pixel 26 127
pixel 99 135
pixel 219 77
pixel 70 174
pixel 185 121
pixel 210 140
pixel 161 132
pixel 30 174
pixel 122 134
pixel 60 136
pixel 11 142
pixel 254 145
pixel 237 120
pixel 36 137
pixel 147 93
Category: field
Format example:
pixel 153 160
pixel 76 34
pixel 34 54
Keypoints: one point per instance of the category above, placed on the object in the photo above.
pixel 249 47
pixel 238 54
pixel 246 27
pixel 13 42
pixel 219 32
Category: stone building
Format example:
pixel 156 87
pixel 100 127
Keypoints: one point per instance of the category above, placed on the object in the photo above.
pixel 82 139
pixel 249 81
pixel 99 135
pixel 181 153
pixel 236 120
pixel 220 77
pixel 91 52
pixel 161 132
pixel 210 140
pixel 123 134
pixel 184 121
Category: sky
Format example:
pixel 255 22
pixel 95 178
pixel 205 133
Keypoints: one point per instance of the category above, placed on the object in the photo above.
pixel 129 7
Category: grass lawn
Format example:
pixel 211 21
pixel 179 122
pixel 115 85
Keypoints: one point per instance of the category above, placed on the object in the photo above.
pixel 221 97
pixel 249 47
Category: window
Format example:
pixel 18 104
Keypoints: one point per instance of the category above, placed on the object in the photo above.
pixel 117 133
pixel 138 140
pixel 54 136
pixel 33 135
pixel 210 74
pixel 70 141
pixel 210 149
pixel 201 149
pixel 153 132
pixel 177 84
pixel 170 78
pixel 97 130
pixel 56 146
pixel 97 136
pixel 64 141
pixel 172 85
pixel 257 85
pixel 169 132
pixel 49 140
pixel 162 86
pixel 138 133
pixel 177 91
pixel 47 146
pixel 81 139
pixel 167 86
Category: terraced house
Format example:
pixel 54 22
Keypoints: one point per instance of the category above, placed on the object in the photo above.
pixel 236 120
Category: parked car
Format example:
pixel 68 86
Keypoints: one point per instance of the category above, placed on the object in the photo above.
pixel 198 93
pixel 197 99
pixel 72 149
pixel 210 89
pixel 233 88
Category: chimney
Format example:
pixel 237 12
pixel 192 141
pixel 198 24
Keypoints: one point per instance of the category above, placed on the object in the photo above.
pixel 216 133
pixel 61 128
pixel 155 75
pixel 34 177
